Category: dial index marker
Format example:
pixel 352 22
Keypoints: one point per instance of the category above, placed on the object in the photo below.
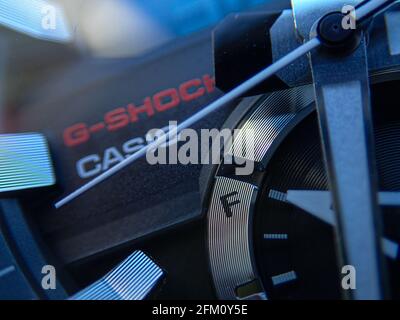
pixel 284 278
pixel 277 195
pixel 276 236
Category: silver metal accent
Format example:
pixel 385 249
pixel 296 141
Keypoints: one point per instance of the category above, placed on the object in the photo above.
pixel 321 201
pixel 25 162
pixel 392 20
pixel 284 278
pixel 214 106
pixel 223 272
pixel 277 195
pixel 372 8
pixel 225 263
pixel 343 105
pixel 133 279
pixel 276 236
pixel 319 204
pixel 391 249
pixel 389 198
pixel 31 18
pixel 268 121
pixel 307 12
pixel 284 38
pixel 6 271
pixel 256 297
pixel 228 238
pixel 286 34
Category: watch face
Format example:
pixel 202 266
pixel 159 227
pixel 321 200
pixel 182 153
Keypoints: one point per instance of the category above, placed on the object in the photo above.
pixel 146 152
pixel 293 253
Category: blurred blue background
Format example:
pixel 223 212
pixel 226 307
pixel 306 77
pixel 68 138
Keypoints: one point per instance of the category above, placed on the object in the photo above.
pixel 116 28
pixel 182 17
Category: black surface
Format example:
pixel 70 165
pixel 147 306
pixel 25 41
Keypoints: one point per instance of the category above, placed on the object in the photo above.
pixel 138 208
pixel 310 250
pixel 166 195
pixel 180 252
pixel 242 48
pixel 19 248
pixel 11 276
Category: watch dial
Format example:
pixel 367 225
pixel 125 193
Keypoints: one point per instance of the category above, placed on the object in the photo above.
pixel 87 85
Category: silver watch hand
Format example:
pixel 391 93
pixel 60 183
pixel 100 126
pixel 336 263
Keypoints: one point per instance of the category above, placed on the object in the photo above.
pixel 370 8
pixel 319 205
pixel 235 93
pixel 230 96
pixel 342 94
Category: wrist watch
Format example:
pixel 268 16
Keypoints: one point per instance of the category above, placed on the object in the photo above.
pixel 310 87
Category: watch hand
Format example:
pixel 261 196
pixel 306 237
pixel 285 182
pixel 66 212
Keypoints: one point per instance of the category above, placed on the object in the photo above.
pixel 370 8
pixel 230 96
pixel 319 205
pixel 342 96
pixel 233 94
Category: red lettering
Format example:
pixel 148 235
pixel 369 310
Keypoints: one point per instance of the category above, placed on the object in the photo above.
pixel 185 88
pixel 209 82
pixel 134 111
pixel 121 117
pixel 116 119
pixel 76 135
pixel 166 99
